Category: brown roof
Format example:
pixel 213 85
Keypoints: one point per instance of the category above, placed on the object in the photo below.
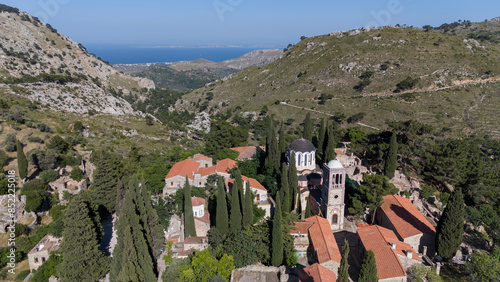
pixel 379 239
pixel 253 183
pixel 338 152
pixel 316 273
pixel 183 168
pixel 48 243
pixel 205 218
pixel 196 240
pixel 247 153
pixel 201 157
pixel 184 254
pixel 405 217
pixel 323 240
pixel 197 201
pixel 300 227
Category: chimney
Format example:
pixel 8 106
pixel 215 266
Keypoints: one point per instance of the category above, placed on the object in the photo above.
pixel 409 254
pixel 393 245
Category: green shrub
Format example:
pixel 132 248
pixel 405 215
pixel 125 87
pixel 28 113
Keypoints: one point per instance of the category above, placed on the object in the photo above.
pixel 427 191
pixel 23 274
pixel 49 175
pixel 35 139
pixel 57 212
pixel 76 173
pixel 10 142
pixel 4 159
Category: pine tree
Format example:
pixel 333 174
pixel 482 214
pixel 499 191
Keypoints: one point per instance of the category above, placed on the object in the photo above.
pixel 82 260
pixel 308 209
pixel 222 217
pixel 321 136
pixel 308 127
pixel 391 162
pixel 344 264
pixel 329 152
pixel 106 181
pixel 285 205
pixel 450 226
pixel 22 162
pixel 293 181
pixel 277 235
pixel 368 272
pixel 189 227
pixel 248 207
pixel 236 217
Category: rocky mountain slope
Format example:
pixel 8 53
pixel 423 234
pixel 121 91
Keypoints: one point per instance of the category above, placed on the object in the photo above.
pixel 488 30
pixel 188 75
pixel 40 63
pixel 384 73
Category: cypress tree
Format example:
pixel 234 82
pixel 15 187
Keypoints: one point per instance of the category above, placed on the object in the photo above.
pixel 189 227
pixel 222 217
pixel 130 270
pixel 391 162
pixel 321 136
pixel 106 181
pixel 292 180
pixel 282 143
pixel 450 226
pixel 299 208
pixel 284 188
pixel 272 150
pixel 82 260
pixel 368 272
pixel 248 206
pixel 344 264
pixel 308 208
pixel 329 152
pixel 235 220
pixel 22 162
pixel 277 235
pixel 153 222
pixel 308 127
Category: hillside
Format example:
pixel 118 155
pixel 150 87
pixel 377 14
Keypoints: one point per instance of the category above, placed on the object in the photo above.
pixel 45 66
pixel 389 73
pixel 489 30
pixel 186 76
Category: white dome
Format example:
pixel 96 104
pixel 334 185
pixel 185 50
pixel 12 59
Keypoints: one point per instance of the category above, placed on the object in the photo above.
pixel 334 164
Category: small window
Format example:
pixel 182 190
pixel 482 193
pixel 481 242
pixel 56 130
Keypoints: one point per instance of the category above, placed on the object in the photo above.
pixel 36 260
pixel 199 183
pixel 336 196
pixel 43 259
pixel 171 184
pixel 335 219
pixel 206 165
pixel 258 197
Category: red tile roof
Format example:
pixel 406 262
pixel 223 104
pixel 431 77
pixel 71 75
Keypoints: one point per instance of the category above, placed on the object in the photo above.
pixel 300 227
pixel 323 240
pixel 405 217
pixel 338 152
pixel 225 165
pixel 197 201
pixel 205 218
pixel 204 171
pixel 201 157
pixel 183 168
pixel 379 239
pixel 253 183
pixel 316 273
pixel 248 152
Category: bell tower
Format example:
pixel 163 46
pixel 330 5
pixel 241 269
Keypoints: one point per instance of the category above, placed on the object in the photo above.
pixel 333 193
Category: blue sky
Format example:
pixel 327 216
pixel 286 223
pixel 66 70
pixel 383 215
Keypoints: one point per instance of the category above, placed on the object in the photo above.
pixel 249 23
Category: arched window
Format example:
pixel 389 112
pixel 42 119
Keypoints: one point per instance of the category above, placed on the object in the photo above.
pixel 258 197
pixel 306 159
pixel 335 219
pixel 299 159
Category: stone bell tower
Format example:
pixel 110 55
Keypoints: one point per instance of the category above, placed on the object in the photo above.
pixel 333 193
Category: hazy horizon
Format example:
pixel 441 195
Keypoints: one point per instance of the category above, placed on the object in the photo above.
pixel 237 23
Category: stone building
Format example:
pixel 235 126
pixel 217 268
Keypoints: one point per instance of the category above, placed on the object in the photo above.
pixel 401 216
pixel 333 193
pixel 323 248
pixel 261 198
pixel 41 252
pixel 201 216
pixel 300 234
pixel 316 272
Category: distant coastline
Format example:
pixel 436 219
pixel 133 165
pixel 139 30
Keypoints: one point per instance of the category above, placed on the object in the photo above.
pixel 120 54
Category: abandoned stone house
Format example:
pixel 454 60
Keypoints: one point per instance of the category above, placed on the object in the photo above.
pixel 248 152
pixel 41 252
pixel 316 272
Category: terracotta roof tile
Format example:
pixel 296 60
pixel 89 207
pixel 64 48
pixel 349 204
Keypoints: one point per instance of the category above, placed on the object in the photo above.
pixel 247 153
pixel 379 239
pixel 225 165
pixel 183 168
pixel 300 227
pixel 201 157
pixel 405 217
pixel 323 240
pixel 253 183
pixel 338 152
pixel 205 218
pixel 197 201
pixel 316 273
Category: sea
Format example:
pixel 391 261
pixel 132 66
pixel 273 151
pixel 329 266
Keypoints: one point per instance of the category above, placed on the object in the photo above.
pixel 119 54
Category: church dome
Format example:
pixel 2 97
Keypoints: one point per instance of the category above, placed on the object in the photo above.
pixel 302 145
pixel 334 164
